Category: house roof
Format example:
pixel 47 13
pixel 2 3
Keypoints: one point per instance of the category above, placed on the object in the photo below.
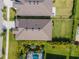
pixel 31 23
pixel 26 8
pixel 34 0
pixel 37 29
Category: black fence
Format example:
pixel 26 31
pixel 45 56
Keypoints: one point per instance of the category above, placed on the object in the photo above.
pixel 61 39
pixel 54 56
pixel 72 57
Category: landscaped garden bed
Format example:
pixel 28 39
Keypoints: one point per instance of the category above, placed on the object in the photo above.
pixel 12 13
pixel 31 51
pixel 4 10
pixel 4 44
pixel 53 48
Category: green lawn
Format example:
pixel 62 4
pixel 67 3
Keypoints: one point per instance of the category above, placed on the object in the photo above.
pixel 62 28
pixel 4 45
pixel 13 47
pixel 4 13
pixel 62 23
pixel 63 8
pixel 76 17
pixel 12 14
pixel 77 9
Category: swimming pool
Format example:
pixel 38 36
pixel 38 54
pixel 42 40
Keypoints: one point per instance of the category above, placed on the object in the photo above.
pixel 35 56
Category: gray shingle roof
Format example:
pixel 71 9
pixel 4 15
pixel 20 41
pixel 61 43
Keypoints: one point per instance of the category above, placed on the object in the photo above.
pixel 24 8
pixel 32 23
pixel 33 29
pixel 38 29
pixel 35 0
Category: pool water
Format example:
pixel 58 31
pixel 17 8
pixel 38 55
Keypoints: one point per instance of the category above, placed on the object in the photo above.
pixel 35 56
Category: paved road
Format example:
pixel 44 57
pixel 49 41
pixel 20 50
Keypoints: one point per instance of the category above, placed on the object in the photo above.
pixel 1 42
pixel 1 5
pixel 1 37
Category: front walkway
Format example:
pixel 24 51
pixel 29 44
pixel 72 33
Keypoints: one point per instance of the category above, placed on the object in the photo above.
pixel 7 33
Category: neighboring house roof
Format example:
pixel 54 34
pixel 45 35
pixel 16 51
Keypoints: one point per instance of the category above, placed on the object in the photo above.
pixel 34 29
pixel 33 7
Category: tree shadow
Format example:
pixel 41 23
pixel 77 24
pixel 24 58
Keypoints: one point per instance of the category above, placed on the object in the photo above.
pixel 76 43
pixel 60 39
pixel 54 56
pixel 72 57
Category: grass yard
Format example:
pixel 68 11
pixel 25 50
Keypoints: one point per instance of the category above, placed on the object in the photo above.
pixel 63 8
pixel 4 44
pixel 13 47
pixel 76 17
pixel 4 13
pixel 62 28
pixel 12 14
pixel 77 9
